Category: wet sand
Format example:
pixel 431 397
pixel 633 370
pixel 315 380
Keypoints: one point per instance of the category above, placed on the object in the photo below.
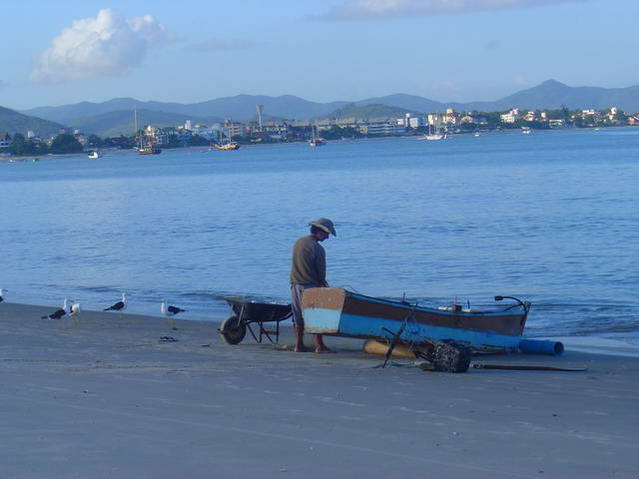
pixel 99 396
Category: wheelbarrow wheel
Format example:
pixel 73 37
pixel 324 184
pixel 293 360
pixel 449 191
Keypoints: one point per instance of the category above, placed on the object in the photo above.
pixel 232 330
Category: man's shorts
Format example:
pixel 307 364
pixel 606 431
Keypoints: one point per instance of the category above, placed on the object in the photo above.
pixel 296 302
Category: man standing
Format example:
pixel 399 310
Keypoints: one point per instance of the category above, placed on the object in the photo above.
pixel 309 271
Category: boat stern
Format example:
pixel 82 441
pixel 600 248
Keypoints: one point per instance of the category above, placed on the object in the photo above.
pixel 322 309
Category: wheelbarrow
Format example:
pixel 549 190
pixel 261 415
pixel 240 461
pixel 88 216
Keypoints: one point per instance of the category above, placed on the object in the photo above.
pixel 246 313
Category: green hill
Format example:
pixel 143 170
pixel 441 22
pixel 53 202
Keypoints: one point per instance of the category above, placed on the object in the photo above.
pixel 116 123
pixel 372 111
pixel 13 122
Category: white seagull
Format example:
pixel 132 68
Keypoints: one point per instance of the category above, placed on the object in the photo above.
pixel 59 313
pixel 74 310
pixel 2 294
pixel 170 310
pixel 119 306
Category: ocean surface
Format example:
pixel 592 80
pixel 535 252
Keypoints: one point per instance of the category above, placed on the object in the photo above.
pixel 551 217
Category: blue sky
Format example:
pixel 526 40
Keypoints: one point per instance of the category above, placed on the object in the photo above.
pixel 56 53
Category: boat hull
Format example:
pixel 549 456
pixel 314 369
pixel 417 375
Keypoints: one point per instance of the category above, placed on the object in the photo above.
pixel 338 312
pixel 228 146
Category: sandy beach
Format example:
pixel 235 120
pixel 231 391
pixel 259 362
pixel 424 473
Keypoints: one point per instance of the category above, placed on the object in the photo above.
pixel 99 396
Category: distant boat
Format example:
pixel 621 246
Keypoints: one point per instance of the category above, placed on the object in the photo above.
pixel 315 139
pixel 477 133
pixel 94 155
pixel 227 143
pixel 433 134
pixel 526 130
pixel 231 145
pixel 149 148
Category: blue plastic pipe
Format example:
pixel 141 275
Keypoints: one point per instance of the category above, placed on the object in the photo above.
pixel 534 346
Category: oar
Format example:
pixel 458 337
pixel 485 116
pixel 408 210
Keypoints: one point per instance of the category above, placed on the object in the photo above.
pixel 524 367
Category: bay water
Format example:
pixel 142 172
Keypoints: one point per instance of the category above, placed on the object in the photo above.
pixel 551 217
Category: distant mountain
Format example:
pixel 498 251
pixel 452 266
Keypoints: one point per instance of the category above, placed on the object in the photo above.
pixel 68 114
pixel 116 123
pixel 243 107
pixel 13 122
pixel 550 94
pixel 240 107
pixel 410 103
pixel 369 111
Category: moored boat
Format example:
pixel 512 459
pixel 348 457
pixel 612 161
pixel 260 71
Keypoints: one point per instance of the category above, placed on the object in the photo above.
pixel 231 145
pixel 339 312
pixel 94 155
pixel 149 150
pixel 315 140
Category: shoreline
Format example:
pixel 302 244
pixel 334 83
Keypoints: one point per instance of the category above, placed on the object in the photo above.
pixel 15 159
pixel 584 344
pixel 101 395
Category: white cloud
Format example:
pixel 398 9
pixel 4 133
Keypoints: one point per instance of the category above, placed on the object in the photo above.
pixel 217 45
pixel 107 45
pixel 380 9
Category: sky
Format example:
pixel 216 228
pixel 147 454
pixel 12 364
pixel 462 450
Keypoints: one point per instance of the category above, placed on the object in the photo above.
pixel 57 53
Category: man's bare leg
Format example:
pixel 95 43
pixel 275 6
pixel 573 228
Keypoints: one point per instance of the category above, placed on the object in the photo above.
pixel 320 347
pixel 299 339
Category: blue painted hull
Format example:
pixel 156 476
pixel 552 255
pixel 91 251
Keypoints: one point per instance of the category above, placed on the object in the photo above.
pixel 339 312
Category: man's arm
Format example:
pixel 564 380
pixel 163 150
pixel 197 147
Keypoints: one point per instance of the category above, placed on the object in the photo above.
pixel 320 265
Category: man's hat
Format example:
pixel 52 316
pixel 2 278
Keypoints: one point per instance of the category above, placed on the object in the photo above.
pixel 325 225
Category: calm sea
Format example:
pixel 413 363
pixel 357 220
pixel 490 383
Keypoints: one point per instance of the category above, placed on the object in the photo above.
pixel 550 217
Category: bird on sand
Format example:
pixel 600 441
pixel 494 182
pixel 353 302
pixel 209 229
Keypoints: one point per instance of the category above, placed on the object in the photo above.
pixel 119 306
pixel 168 310
pixel 2 294
pixel 74 309
pixel 59 313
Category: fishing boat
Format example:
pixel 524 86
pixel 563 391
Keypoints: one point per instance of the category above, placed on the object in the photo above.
pixel 339 312
pixel 227 143
pixel 149 149
pixel 434 132
pixel 144 149
pixel 315 140
pixel 231 145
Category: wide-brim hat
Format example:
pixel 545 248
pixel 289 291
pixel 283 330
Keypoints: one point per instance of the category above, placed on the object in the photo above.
pixel 325 225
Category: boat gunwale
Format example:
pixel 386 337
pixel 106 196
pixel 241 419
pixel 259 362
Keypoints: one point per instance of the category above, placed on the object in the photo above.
pixel 433 310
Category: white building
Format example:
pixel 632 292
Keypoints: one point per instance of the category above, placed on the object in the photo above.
pixel 386 128
pixel 613 113
pixel 234 129
pixel 410 121
pixel 511 117
pixel 210 133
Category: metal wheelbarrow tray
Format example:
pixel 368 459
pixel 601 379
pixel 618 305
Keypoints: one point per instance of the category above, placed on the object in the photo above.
pixel 248 312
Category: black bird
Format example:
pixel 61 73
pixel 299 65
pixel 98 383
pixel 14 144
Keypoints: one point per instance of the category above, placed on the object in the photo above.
pixel 170 310
pixel 58 313
pixel 119 306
